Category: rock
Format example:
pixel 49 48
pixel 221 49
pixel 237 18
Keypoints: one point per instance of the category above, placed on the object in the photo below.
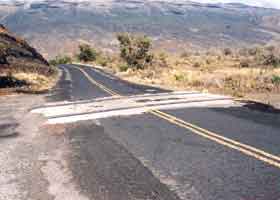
pixel 16 54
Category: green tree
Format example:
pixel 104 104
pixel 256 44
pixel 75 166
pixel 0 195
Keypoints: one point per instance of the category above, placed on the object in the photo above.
pixel 61 60
pixel 87 53
pixel 135 50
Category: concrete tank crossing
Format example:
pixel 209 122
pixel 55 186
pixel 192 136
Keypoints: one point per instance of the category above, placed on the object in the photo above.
pixel 68 112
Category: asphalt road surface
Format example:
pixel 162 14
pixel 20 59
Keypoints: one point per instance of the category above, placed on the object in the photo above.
pixel 216 152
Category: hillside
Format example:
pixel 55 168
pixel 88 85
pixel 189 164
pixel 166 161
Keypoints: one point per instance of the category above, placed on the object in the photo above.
pixel 19 62
pixel 56 27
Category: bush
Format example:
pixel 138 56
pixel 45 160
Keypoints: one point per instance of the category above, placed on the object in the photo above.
pixel 179 77
pixel 196 65
pixel 227 51
pixel 124 67
pixel 61 60
pixel 254 51
pixel 275 80
pixel 135 50
pixel 208 61
pixel 163 59
pixel 271 59
pixel 163 56
pixel 102 60
pixel 244 64
pixel 87 54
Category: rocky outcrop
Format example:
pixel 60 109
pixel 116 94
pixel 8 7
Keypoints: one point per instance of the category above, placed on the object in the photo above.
pixel 17 54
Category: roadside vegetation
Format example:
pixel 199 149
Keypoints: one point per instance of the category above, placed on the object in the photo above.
pixel 29 77
pixel 246 72
pixel 238 74
pixel 87 53
pixel 33 78
pixel 58 60
pixel 135 51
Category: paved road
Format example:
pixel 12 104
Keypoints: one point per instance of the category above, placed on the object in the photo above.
pixel 199 152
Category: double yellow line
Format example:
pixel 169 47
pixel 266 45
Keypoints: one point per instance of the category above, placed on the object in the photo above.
pixel 109 91
pixel 243 148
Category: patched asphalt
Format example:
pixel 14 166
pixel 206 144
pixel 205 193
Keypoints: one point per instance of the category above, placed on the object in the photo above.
pixel 105 169
pixel 198 167
pixel 144 157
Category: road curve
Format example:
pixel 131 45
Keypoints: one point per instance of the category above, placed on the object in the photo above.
pixel 189 153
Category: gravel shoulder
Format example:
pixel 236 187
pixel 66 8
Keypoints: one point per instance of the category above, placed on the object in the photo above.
pixel 32 157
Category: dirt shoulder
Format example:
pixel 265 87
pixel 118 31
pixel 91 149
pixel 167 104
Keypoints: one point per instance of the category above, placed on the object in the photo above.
pixel 19 139
pixel 33 156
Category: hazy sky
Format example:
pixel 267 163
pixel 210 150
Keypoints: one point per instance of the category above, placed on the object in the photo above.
pixel 261 3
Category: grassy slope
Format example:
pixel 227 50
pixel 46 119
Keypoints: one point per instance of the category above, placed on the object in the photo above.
pixel 238 74
pixel 22 66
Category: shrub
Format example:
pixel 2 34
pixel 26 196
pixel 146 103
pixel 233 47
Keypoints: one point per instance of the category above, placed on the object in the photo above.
pixel 163 59
pixel 271 59
pixel 208 61
pixel 275 80
pixel 254 51
pixel 227 51
pixel 135 50
pixel 124 67
pixel 196 65
pixel 179 77
pixel 87 54
pixel 163 56
pixel 244 64
pixel 61 60
pixel 52 62
pixel 102 60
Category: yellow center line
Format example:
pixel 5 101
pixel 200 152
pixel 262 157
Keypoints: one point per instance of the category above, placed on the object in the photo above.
pixel 109 91
pixel 232 144
pixel 243 148
pixel 219 136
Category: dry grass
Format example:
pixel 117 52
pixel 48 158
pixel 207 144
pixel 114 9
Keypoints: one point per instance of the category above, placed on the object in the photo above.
pixel 36 82
pixel 239 75
pixel 27 82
